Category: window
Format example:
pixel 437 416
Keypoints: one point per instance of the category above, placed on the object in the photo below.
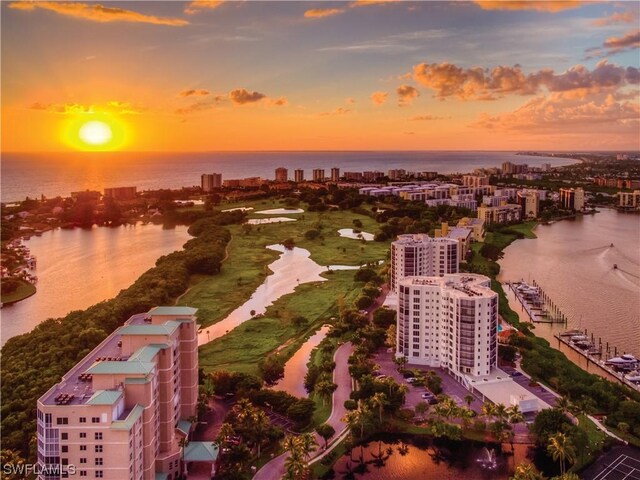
pixel 83 473
pixel 98 448
pixel 98 473
pixel 83 434
pixel 95 420
pixel 83 460
pixel 83 419
pixel 62 420
pixel 83 448
pixel 99 461
pixel 64 436
pixel 98 436
pixel 64 449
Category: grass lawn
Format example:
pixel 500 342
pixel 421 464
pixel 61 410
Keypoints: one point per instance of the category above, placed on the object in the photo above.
pixel 246 266
pixel 242 348
pixel 24 290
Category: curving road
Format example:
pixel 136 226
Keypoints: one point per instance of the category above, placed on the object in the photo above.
pixel 275 468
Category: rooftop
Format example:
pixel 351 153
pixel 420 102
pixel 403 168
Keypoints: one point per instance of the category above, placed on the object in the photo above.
pixel 186 311
pixel 105 397
pixel 76 388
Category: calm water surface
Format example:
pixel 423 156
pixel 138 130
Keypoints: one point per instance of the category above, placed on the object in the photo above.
pixel 423 459
pixel 55 174
pixel 296 367
pixel 81 267
pixel 572 260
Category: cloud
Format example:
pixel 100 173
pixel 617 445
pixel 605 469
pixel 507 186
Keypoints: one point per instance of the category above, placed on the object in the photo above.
pixel 558 114
pixel 97 13
pixel 552 6
pixel 349 100
pixel 425 118
pixel 194 93
pixel 322 12
pixel 406 94
pixel 330 12
pixel 198 5
pixel 477 83
pixel 397 43
pixel 630 41
pixel 616 18
pixel 241 96
pixel 378 98
pixel 279 102
pixel 207 104
pixel 337 111
pixel 115 107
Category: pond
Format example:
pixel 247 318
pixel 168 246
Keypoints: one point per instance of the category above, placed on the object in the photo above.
pixel 423 458
pixel 296 367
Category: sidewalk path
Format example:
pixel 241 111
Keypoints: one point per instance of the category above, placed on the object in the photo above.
pixel 274 469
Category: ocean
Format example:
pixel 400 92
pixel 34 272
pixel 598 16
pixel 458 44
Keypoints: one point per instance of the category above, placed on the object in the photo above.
pixel 53 174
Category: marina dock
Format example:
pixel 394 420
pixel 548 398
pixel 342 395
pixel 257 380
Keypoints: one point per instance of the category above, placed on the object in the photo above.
pixel 536 303
pixel 624 367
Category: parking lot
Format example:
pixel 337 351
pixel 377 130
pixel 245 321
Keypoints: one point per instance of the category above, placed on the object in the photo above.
pixel 450 386
pixel 540 392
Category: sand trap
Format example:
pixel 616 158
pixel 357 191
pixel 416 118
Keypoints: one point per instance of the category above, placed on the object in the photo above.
pixel 281 211
pixel 244 209
pixel 349 233
pixel 260 221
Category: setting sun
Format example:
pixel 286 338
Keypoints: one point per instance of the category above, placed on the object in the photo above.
pixel 100 132
pixel 95 132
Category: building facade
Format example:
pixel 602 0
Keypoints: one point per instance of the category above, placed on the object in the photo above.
pixel 282 175
pixel 500 214
pixel 335 174
pixel 210 181
pixel 298 175
pixel 529 202
pixel 475 180
pixel 420 254
pixel 629 200
pixel 318 175
pixel 121 412
pixel 121 193
pixel 449 322
pixel 572 198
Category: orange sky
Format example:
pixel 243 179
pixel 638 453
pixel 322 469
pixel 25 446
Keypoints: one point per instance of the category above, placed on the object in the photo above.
pixel 198 76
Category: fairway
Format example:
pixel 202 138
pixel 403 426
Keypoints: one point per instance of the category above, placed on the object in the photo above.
pixel 246 266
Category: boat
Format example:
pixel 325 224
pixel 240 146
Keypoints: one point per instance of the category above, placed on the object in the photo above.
pixel 579 338
pixel 623 360
pixel 571 333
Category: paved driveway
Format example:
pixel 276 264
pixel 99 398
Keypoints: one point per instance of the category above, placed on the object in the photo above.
pixel 274 469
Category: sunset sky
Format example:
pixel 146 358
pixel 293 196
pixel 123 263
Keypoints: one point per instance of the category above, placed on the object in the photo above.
pixel 362 75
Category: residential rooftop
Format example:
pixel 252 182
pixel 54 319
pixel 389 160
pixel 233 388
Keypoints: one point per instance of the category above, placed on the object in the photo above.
pixel 75 387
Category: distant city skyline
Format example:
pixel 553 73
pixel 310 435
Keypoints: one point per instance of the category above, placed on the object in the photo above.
pixel 361 75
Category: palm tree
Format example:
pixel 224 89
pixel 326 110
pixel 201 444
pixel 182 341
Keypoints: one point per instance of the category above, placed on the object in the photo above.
pixel 379 400
pixel 561 449
pixel 564 404
pixel 260 427
pixel 295 466
pixel 468 400
pixel 515 415
pixel 526 471
pixel 289 443
pixel 403 390
pixel 488 410
pixel 325 389
pixel 307 444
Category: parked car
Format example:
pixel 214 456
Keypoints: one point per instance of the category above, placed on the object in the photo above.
pixel 516 373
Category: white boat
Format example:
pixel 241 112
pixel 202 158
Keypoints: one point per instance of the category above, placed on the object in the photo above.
pixel 579 338
pixel 623 360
